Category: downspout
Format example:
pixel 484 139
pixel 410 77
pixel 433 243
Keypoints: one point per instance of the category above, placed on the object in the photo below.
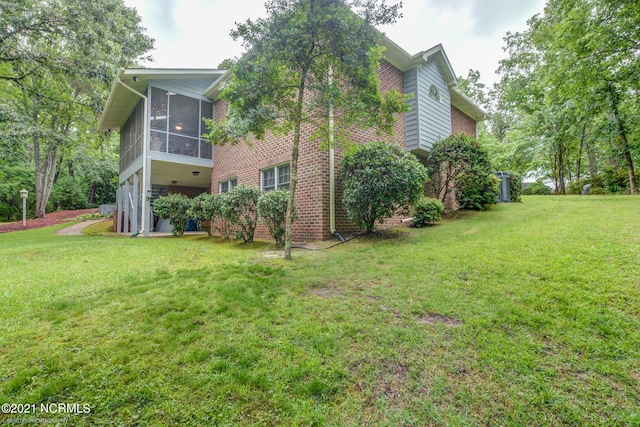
pixel 145 182
pixel 332 171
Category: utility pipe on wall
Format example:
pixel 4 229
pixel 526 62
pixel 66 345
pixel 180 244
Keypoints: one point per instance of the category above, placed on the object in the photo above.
pixel 332 171
pixel 145 167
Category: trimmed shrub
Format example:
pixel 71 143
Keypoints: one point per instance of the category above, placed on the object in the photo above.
pixel 537 188
pixel 240 207
pixel 460 162
pixel 476 190
pixel 220 220
pixel 174 207
pixel 380 179
pixel 203 209
pixel 427 212
pixel 272 208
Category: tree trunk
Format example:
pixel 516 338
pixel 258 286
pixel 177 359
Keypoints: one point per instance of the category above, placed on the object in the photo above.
pixel 626 151
pixel 562 189
pixel 613 98
pixel 579 162
pixel 593 161
pixel 288 220
pixel 92 195
pixel 45 174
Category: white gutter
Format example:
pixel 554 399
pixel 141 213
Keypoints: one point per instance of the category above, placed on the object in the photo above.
pixel 145 181
pixel 332 170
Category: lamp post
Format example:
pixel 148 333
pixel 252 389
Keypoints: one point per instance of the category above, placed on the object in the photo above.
pixel 24 194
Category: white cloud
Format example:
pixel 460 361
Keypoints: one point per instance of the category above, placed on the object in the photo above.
pixel 195 33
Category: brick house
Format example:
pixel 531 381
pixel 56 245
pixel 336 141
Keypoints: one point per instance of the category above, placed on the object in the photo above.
pixel 159 111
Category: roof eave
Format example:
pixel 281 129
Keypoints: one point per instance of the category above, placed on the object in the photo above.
pixel 467 106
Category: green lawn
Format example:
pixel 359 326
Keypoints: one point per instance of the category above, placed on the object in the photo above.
pixel 528 314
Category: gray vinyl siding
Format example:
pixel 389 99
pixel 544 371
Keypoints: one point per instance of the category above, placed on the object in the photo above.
pixel 411 128
pixel 429 120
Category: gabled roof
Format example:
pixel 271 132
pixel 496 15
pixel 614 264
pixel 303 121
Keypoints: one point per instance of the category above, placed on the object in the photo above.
pixel 122 101
pixel 401 59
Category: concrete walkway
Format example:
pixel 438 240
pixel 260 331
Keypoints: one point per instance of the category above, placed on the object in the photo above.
pixel 76 229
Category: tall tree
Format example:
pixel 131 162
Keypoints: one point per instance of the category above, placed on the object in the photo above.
pixel 57 61
pixel 578 63
pixel 306 59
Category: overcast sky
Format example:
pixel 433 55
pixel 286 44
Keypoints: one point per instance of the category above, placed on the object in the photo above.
pixel 195 33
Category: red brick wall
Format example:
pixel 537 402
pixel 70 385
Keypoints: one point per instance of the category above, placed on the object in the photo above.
pixel 460 122
pixel 244 162
pixel 190 192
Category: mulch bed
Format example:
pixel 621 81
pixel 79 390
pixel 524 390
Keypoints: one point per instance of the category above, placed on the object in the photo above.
pixel 52 218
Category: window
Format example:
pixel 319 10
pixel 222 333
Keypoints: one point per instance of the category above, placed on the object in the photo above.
pixel 225 186
pixel 434 92
pixel 177 126
pixel 275 178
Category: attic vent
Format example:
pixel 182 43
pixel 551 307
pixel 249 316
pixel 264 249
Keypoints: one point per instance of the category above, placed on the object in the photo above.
pixel 434 93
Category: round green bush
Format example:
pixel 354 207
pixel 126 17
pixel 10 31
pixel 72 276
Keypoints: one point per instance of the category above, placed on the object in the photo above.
pixel 272 208
pixel 427 211
pixel 378 180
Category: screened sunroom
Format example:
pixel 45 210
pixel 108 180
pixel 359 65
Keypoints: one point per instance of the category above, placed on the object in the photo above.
pixel 159 114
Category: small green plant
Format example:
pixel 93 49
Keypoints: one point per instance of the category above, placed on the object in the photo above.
pixel 380 179
pixel 174 207
pixel 241 209
pixel 272 208
pixel 427 212
pixel 87 217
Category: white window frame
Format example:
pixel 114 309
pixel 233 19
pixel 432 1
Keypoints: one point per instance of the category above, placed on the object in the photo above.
pixel 434 92
pixel 230 184
pixel 276 174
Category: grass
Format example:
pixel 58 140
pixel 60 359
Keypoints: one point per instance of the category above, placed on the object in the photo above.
pixel 528 314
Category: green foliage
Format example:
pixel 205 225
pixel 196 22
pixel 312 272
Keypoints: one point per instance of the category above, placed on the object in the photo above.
pixel 203 207
pixel 240 207
pixel 537 188
pixel 571 81
pixel 13 179
pixel 515 302
pixel 272 208
pixel 427 211
pixel 306 60
pixel 515 186
pixel 67 194
pixel 175 208
pixel 576 187
pixel 614 181
pixel 477 190
pixel 460 162
pixel 58 60
pixel 378 180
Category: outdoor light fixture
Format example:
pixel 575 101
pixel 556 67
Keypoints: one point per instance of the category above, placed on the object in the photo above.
pixel 135 79
pixel 195 173
pixel 178 127
pixel 24 194
pixel 174 182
